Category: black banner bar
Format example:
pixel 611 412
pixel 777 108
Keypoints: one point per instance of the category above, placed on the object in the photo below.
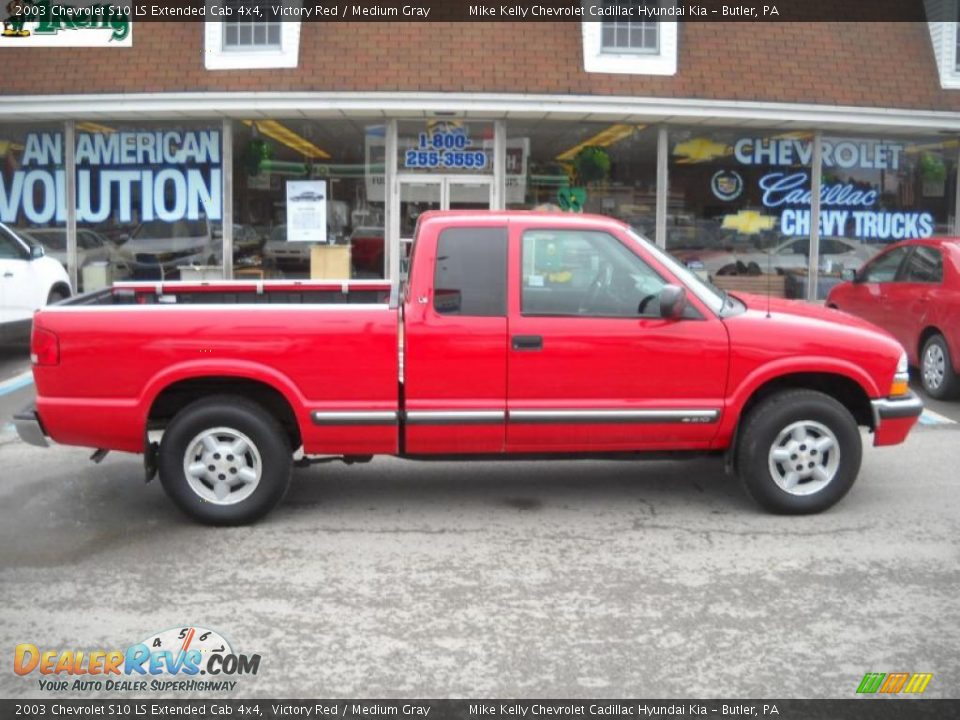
pixel 760 11
pixel 873 708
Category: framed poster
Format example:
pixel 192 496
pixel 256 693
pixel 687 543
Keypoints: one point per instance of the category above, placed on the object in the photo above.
pixel 307 211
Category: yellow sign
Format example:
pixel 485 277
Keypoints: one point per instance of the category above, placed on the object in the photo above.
pixel 700 150
pixel 748 222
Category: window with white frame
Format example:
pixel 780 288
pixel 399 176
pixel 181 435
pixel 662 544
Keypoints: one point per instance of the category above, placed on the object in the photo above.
pixel 243 33
pixel 956 43
pixel 619 36
pixel 252 36
pixel 639 36
pixel 943 23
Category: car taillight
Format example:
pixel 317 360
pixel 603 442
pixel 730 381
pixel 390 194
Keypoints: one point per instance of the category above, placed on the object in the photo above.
pixel 44 347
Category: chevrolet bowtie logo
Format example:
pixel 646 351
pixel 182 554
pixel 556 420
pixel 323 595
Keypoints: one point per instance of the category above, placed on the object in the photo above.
pixel 748 222
pixel 700 150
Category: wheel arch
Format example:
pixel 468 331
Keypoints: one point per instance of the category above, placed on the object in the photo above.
pixel 842 388
pixel 59 286
pixel 178 394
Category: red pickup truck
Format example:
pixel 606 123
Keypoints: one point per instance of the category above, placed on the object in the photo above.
pixel 517 334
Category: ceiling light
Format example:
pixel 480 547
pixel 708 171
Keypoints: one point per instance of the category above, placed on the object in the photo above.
pixel 604 138
pixel 285 136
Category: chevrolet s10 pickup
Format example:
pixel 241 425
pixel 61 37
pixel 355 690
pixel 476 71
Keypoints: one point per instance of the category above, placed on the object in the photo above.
pixel 516 335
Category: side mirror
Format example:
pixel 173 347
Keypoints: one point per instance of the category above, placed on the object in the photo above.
pixel 849 275
pixel 673 301
pixel 36 252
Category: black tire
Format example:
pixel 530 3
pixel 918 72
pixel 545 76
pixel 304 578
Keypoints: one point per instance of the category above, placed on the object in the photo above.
pixel 812 412
pixel 271 453
pixel 936 370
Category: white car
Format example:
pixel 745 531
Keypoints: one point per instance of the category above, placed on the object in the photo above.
pixel 28 281
pixel 286 255
pixel 157 249
pixel 787 254
pixel 90 246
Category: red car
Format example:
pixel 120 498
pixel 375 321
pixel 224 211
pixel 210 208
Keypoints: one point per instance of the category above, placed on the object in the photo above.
pixel 912 289
pixel 525 335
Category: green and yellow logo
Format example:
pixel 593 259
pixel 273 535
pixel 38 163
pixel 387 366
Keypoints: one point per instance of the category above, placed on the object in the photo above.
pixel 894 683
pixel 50 18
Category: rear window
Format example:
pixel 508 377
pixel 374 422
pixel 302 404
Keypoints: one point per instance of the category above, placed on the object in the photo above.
pixel 924 266
pixel 471 273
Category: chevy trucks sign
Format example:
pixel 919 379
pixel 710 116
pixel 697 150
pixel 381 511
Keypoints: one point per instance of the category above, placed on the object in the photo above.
pixel 42 23
pixel 166 175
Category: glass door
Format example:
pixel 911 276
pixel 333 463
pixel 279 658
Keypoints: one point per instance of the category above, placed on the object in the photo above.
pixel 417 196
pixel 468 193
pixel 421 193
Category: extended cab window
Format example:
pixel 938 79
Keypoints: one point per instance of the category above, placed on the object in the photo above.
pixel 587 273
pixel 924 266
pixel 471 273
pixel 885 267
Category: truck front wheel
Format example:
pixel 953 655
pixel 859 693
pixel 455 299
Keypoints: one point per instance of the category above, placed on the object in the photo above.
pixel 799 452
pixel 225 461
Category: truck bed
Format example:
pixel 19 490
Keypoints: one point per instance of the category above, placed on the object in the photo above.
pixel 327 347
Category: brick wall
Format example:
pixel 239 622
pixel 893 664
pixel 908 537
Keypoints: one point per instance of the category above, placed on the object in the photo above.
pixel 870 64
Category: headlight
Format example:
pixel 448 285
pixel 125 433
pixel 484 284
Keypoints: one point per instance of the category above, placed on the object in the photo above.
pixel 901 380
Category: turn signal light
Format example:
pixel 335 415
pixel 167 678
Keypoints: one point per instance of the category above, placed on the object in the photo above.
pixel 901 380
pixel 899 387
pixel 44 347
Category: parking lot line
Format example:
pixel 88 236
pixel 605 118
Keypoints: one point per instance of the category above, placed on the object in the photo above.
pixel 17 382
pixel 929 417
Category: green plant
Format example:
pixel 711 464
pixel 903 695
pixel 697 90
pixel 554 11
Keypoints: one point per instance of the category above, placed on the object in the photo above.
pixel 592 164
pixel 932 168
pixel 255 153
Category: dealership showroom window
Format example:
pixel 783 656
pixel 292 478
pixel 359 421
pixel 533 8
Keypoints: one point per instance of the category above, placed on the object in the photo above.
pixel 150 196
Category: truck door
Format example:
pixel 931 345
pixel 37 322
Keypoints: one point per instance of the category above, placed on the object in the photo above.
pixel 455 340
pixel 592 366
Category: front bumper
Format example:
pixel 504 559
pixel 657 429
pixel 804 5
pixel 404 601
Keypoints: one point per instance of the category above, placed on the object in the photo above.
pixel 894 417
pixel 28 426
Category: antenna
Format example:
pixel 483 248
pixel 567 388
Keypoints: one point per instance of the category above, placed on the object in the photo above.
pixel 769 262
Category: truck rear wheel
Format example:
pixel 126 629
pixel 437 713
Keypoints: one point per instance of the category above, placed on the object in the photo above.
pixel 225 461
pixel 799 452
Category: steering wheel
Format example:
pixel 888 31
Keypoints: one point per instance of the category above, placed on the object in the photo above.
pixel 596 287
pixel 645 302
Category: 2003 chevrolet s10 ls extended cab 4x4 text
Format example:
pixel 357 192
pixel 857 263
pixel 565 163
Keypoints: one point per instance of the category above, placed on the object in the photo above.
pixel 517 335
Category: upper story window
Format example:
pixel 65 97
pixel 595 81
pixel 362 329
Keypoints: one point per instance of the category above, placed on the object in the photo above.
pixel 943 24
pixel 639 36
pixel 252 41
pixel 956 47
pixel 623 36
pixel 256 34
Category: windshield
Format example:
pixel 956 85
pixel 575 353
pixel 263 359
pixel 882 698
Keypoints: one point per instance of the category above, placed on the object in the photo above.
pixel 52 239
pixel 178 229
pixel 712 297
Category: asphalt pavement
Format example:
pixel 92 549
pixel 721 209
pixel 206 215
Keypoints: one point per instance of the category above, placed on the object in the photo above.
pixel 509 579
